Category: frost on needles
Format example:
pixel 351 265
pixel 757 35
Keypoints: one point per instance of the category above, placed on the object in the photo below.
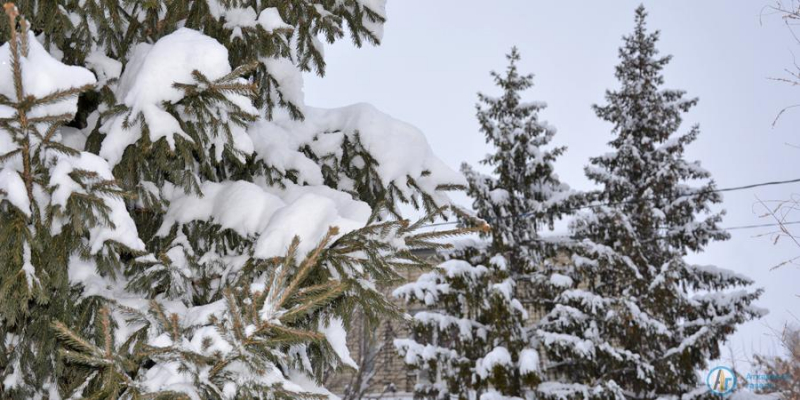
pixel 179 223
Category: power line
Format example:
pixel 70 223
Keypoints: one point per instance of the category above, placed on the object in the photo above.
pixel 733 228
pixel 567 238
pixel 756 185
pixel 698 193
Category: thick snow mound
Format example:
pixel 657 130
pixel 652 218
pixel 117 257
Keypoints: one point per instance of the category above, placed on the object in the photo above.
pixel 153 69
pixel 499 356
pixel 124 229
pixel 41 75
pixel 148 82
pixel 241 206
pixel 400 149
pixel 14 190
pixel 308 214
pixel 270 19
pixel 275 216
pixel 528 361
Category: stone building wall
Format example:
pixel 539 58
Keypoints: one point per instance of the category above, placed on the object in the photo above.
pixel 391 380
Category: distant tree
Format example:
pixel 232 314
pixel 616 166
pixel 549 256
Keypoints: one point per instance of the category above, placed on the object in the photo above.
pixel 472 340
pixel 633 318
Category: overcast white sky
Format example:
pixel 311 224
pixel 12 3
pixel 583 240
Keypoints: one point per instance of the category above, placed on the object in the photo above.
pixel 437 54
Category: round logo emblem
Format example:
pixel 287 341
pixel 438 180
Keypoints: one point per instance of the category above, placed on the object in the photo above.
pixel 721 380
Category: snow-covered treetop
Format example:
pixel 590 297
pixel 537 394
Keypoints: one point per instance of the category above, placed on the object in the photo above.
pixel 524 195
pixel 646 163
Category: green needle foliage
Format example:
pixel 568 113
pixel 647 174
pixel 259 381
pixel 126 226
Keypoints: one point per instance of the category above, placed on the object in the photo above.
pixel 144 251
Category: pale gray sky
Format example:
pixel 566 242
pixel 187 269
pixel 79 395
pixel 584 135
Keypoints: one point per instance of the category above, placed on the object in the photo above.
pixel 437 54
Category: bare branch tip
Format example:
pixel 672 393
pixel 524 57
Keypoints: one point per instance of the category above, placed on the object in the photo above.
pixel 11 9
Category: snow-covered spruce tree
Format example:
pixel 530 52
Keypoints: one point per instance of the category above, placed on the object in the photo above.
pixel 634 318
pixel 471 341
pixel 240 228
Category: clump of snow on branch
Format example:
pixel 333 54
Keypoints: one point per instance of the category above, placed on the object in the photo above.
pixel 399 149
pixel 273 215
pixel 41 75
pixel 148 81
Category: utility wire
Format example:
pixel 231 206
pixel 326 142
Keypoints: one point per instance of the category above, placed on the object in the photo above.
pixel 680 196
pixel 698 193
pixel 733 228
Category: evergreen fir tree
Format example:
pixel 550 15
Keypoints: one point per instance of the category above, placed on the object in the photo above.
pixel 473 341
pixel 633 318
pixel 188 228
